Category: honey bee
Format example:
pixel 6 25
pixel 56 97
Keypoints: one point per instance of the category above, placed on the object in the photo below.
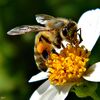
pixel 50 35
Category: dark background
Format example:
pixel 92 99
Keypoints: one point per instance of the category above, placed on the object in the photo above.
pixel 17 64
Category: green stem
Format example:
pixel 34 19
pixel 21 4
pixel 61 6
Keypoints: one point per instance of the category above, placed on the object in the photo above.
pixel 95 96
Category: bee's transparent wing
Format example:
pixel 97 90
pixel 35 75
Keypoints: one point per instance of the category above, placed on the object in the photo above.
pixel 43 18
pixel 25 29
pixel 90 27
pixel 49 21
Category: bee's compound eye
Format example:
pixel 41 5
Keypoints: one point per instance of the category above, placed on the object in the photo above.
pixel 64 31
pixel 45 54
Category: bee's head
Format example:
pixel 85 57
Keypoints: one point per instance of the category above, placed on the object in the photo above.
pixel 69 29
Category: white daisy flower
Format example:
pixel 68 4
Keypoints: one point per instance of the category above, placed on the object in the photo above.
pixel 61 79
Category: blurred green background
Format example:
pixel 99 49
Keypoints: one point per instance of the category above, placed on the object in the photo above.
pixel 17 64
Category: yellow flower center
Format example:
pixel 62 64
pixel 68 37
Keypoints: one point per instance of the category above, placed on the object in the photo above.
pixel 68 66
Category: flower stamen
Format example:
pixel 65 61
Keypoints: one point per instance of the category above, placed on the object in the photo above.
pixel 68 66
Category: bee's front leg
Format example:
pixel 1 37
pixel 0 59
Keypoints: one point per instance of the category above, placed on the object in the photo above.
pixel 80 35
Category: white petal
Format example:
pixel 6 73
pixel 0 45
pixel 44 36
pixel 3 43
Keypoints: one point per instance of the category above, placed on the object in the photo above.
pixel 37 94
pixel 90 27
pixel 64 42
pixel 38 77
pixel 56 93
pixel 58 50
pixel 63 91
pixel 93 73
pixel 49 94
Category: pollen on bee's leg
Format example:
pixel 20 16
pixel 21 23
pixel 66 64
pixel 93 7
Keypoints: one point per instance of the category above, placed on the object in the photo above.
pixel 68 66
pixel 40 47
